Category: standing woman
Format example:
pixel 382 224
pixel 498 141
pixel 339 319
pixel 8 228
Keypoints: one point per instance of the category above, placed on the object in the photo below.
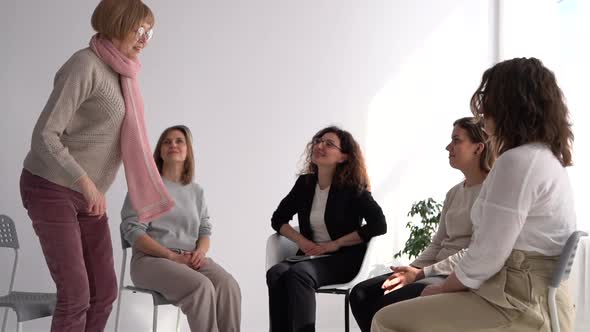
pixel 331 198
pixel 521 220
pixel 92 121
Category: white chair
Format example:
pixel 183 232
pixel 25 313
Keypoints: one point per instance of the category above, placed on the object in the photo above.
pixel 279 247
pixel 26 305
pixel 562 272
pixel 157 298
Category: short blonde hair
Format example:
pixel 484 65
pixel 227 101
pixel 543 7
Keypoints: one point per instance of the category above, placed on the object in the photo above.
pixel 118 18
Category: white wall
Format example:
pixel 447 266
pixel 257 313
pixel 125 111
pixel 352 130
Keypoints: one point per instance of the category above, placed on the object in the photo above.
pixel 254 80
pixel 554 34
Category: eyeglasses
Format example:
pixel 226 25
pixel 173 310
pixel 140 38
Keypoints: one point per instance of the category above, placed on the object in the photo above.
pixel 141 33
pixel 327 142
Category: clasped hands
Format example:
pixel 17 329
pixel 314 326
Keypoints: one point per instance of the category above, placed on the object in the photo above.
pixel 195 259
pixel 311 248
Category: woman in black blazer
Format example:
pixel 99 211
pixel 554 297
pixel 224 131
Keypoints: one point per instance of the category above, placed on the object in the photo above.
pixel 331 198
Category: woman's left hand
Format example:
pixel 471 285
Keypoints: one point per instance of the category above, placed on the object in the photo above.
pixel 432 290
pixel 198 259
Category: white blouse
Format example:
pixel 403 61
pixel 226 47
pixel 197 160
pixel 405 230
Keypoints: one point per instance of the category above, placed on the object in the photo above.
pixel 316 216
pixel 526 203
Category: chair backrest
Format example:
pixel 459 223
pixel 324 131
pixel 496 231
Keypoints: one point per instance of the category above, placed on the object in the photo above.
pixel 278 248
pixel 566 259
pixel 124 243
pixel 8 238
pixel 367 265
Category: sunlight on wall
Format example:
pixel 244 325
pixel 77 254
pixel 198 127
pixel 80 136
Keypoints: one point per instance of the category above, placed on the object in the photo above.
pixel 556 32
pixel 410 122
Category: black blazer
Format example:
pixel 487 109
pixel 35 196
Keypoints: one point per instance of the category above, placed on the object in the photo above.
pixel 345 210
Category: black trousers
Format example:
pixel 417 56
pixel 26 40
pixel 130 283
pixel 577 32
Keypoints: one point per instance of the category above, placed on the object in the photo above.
pixel 292 286
pixel 366 298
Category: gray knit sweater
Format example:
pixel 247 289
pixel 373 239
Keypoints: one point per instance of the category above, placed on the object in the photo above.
pixel 181 227
pixel 78 131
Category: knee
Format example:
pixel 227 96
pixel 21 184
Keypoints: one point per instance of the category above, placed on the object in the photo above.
pixel 357 296
pixel 299 274
pixel 377 321
pixel 74 298
pixel 107 292
pixel 274 274
pixel 230 285
pixel 203 287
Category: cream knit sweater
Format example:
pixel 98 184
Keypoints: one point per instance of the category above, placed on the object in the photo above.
pixel 78 131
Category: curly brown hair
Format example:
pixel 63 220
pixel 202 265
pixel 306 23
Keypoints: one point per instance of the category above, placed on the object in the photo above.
pixel 352 172
pixel 523 99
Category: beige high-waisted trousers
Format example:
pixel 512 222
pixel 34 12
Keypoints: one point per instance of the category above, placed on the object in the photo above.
pixel 514 299
pixel 210 297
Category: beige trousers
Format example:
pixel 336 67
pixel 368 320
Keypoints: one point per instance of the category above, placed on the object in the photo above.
pixel 515 299
pixel 210 297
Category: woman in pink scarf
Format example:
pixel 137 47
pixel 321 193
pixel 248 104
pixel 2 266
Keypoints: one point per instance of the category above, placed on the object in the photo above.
pixel 91 123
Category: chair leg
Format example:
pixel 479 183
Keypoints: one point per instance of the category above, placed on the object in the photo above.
pixel 155 321
pixel 553 316
pixel 4 319
pixel 19 327
pixel 117 315
pixel 178 320
pixel 346 312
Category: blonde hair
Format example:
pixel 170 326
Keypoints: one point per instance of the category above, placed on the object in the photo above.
pixel 188 171
pixel 476 133
pixel 117 18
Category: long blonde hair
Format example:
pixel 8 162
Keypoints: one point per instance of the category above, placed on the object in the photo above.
pixel 188 171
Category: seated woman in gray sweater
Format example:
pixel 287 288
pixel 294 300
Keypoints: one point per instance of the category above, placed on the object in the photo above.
pixel 469 152
pixel 170 253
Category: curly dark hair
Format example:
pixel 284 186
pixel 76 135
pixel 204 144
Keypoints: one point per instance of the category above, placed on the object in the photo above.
pixel 523 99
pixel 351 172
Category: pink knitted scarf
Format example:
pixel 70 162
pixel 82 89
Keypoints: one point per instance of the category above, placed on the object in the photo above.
pixel 148 195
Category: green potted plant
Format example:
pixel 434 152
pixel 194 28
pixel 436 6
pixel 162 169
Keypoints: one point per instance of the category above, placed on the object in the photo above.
pixel 420 234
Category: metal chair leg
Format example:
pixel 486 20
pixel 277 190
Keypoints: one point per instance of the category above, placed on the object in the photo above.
pixel 346 312
pixel 117 316
pixel 155 321
pixel 19 327
pixel 4 320
pixel 178 320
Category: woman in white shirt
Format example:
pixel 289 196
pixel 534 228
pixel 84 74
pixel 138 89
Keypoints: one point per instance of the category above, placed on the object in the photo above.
pixel 521 219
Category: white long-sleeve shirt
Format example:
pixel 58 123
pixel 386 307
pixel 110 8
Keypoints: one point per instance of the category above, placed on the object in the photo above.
pixel 526 203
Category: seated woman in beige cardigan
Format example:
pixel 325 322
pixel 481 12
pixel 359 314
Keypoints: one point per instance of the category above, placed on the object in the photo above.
pixel 521 220
pixel 170 252
pixel 469 153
